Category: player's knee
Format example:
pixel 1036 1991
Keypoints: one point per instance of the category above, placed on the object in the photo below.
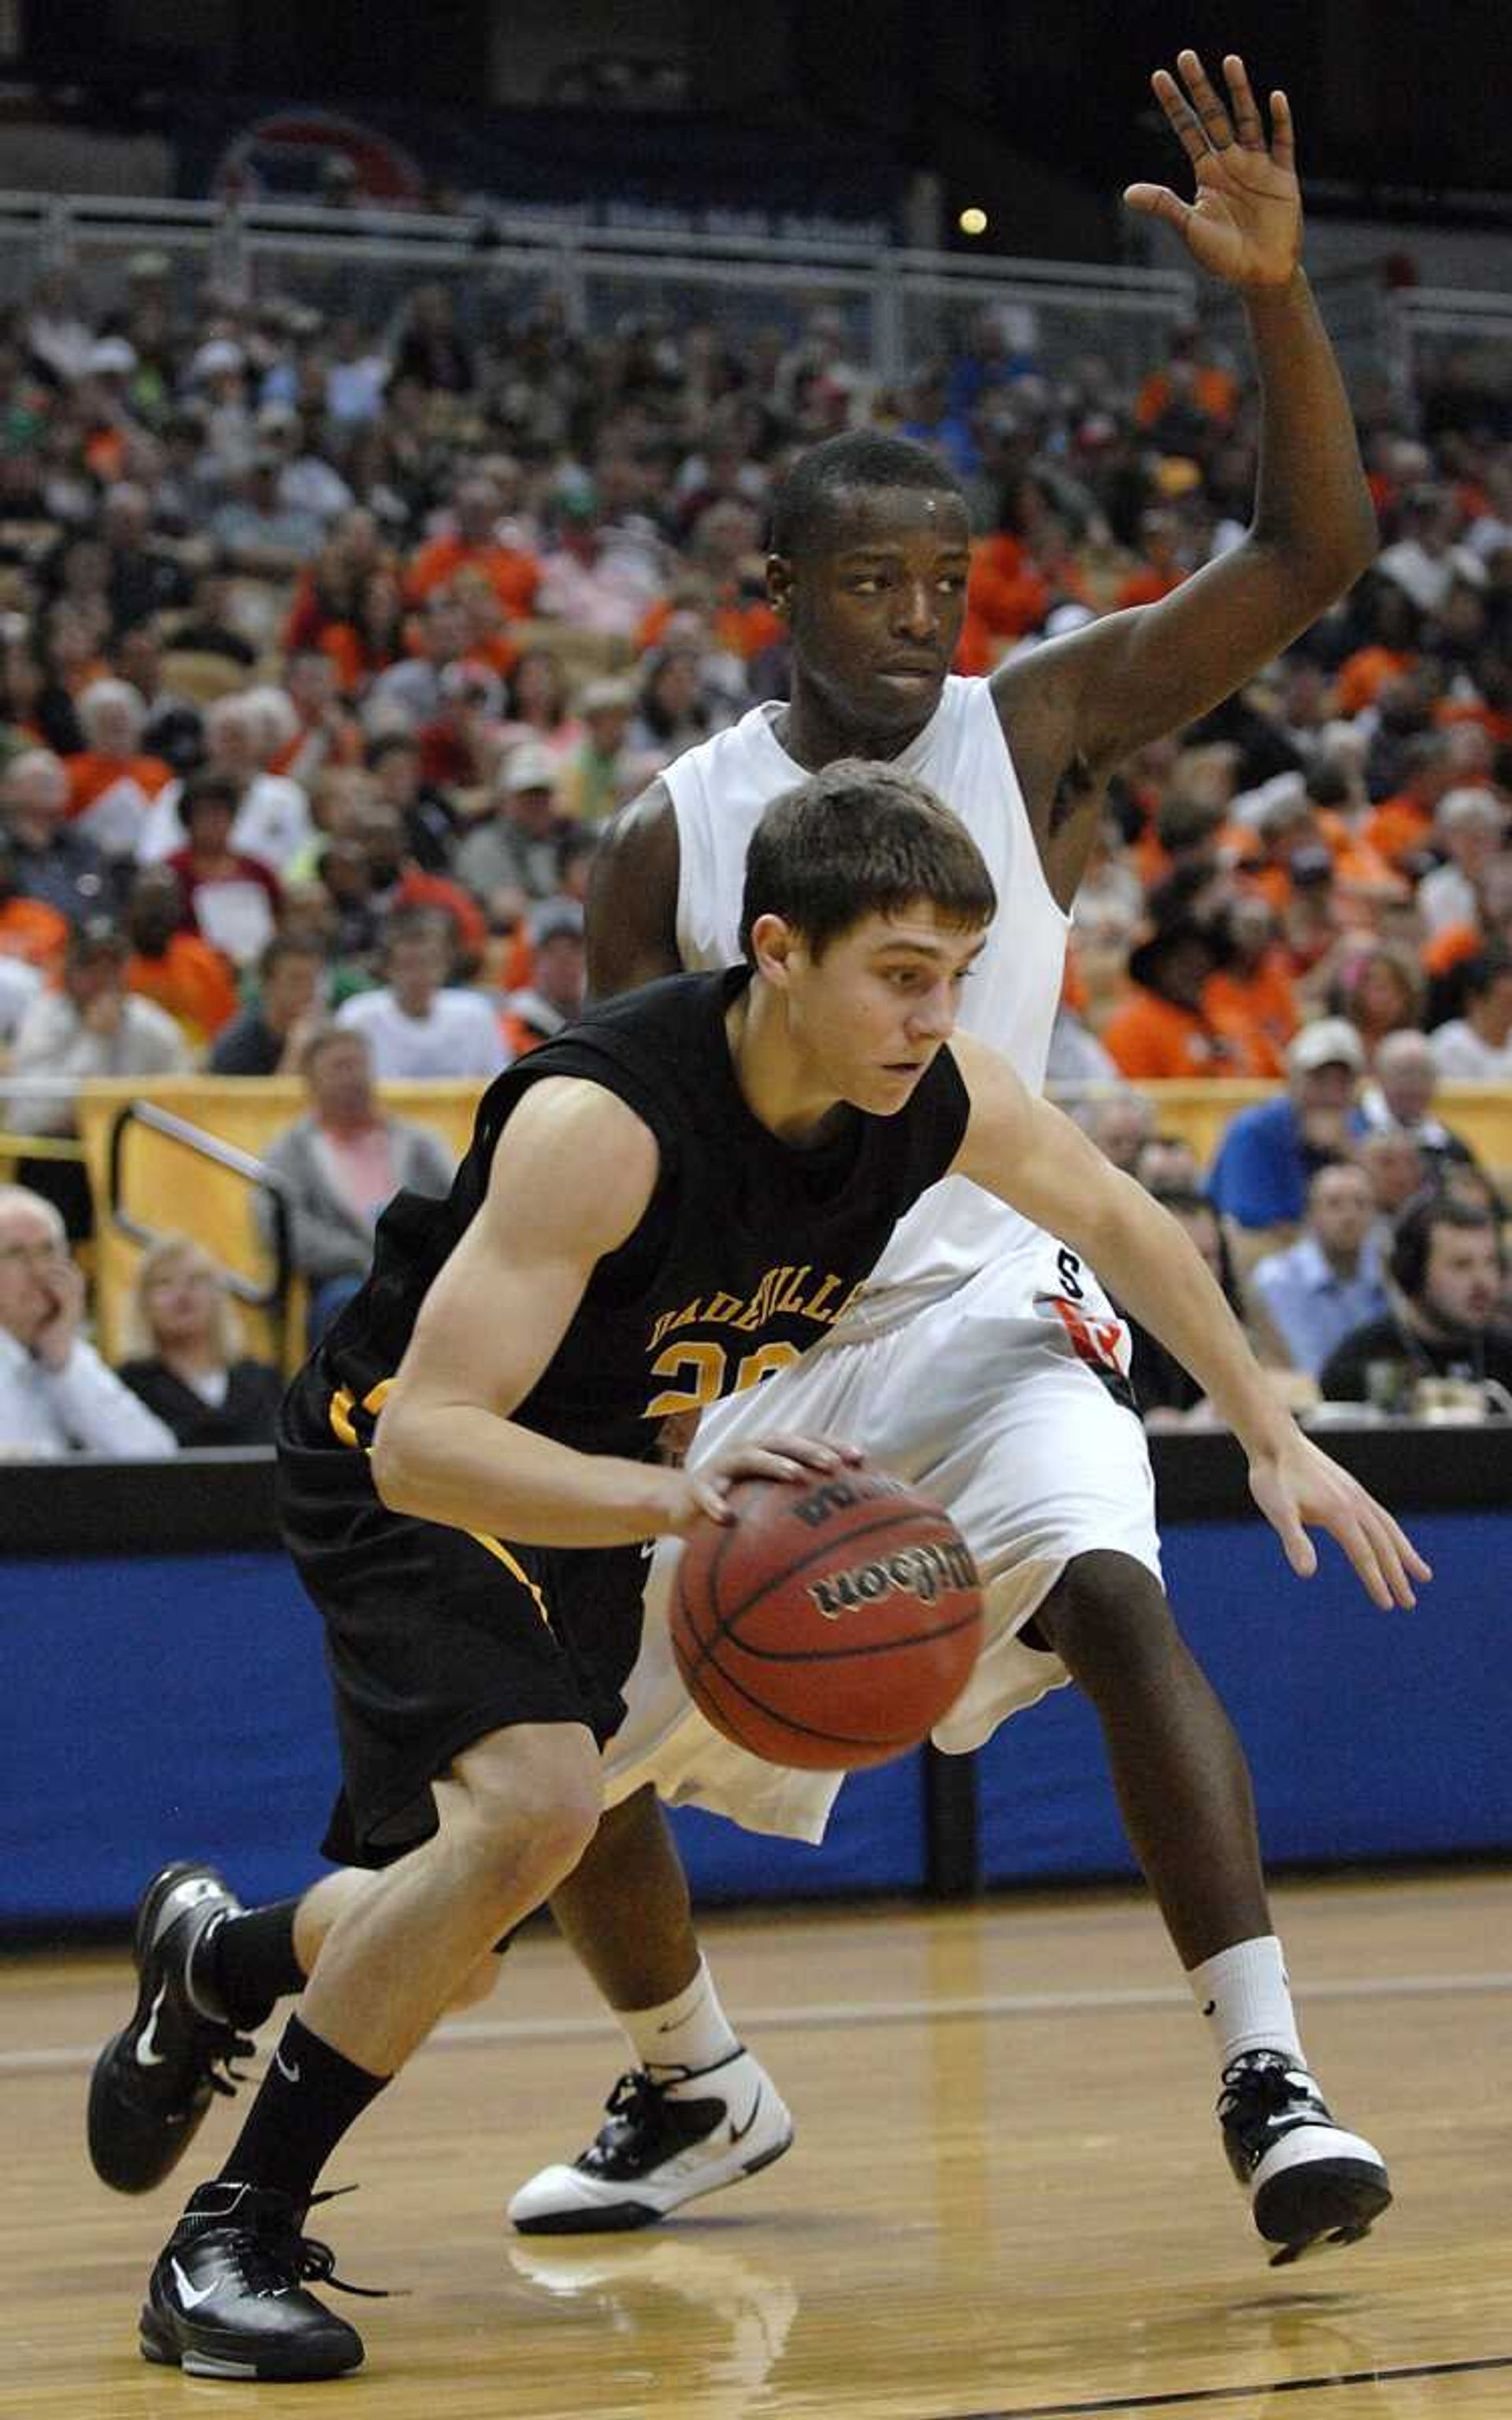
pixel 1107 1617
pixel 533 1798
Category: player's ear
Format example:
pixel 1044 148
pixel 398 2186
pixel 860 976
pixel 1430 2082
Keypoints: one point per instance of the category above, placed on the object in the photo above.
pixel 772 944
pixel 780 584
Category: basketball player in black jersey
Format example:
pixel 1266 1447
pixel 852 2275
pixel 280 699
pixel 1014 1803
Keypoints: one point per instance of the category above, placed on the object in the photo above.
pixel 669 1200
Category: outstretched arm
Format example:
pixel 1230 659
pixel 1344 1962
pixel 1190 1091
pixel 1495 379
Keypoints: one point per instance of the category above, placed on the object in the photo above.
pixel 1133 677
pixel 1030 1155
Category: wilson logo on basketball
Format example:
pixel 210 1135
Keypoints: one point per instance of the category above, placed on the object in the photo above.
pixel 924 1572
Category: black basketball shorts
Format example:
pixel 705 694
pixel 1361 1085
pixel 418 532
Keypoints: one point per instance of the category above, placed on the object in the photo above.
pixel 434 1639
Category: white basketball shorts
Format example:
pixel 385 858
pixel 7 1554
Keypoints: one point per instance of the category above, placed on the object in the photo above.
pixel 999 1401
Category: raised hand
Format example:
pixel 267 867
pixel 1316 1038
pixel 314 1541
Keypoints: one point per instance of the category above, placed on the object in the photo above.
pixel 1300 1484
pixel 1245 223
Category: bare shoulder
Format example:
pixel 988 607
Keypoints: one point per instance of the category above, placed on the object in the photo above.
pixel 575 1163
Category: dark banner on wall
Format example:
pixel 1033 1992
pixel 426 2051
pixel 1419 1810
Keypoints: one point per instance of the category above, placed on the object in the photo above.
pixel 685 175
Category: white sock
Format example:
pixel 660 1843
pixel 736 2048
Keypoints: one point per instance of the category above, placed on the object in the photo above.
pixel 690 2031
pixel 1243 1995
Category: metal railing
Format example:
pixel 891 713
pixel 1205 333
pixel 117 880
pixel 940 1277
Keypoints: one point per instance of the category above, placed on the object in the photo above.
pixel 274 1297
pixel 898 306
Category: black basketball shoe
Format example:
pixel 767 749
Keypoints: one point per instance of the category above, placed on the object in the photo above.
pixel 1308 2181
pixel 227 2295
pixel 663 2142
pixel 154 2081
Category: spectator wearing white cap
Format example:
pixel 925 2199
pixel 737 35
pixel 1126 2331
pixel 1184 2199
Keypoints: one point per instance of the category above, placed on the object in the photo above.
pixel 602 772
pixel 519 847
pixel 1470 827
pixel 1268 1153
pixel 1398 1097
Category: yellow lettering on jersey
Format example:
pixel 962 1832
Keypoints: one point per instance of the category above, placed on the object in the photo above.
pixel 814 1307
pixel 699 1363
pixel 765 1363
pixel 671 1319
pixel 792 1296
pixel 720 1308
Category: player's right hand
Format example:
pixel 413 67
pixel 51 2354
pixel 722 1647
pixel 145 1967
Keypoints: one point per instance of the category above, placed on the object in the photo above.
pixel 795 1458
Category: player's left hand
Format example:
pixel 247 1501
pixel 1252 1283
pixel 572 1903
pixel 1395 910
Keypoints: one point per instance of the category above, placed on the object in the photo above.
pixel 1299 1484
pixel 1245 223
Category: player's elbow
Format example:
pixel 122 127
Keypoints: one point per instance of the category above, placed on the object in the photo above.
pixel 394 1463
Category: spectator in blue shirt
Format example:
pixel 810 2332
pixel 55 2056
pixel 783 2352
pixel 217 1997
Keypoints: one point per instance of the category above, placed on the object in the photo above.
pixel 1330 1280
pixel 1268 1155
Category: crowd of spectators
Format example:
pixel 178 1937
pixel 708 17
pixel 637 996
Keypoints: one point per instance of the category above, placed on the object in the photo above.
pixel 327 648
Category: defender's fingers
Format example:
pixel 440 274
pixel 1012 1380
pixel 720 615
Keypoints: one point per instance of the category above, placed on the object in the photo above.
pixel 1206 100
pixel 1157 202
pixel 1242 102
pixel 1179 116
pixel 1283 144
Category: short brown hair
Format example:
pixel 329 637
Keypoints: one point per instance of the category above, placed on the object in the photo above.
pixel 858 840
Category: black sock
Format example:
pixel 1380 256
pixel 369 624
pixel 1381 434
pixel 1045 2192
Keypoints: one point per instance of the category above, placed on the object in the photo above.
pixel 305 2103
pixel 247 1962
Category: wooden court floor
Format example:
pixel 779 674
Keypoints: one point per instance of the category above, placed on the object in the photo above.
pixel 1007 2198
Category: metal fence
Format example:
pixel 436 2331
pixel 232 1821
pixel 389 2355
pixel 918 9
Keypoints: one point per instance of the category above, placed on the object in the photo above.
pixel 899 308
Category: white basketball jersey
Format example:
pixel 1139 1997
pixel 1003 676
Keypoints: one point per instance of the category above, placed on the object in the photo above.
pixel 719 792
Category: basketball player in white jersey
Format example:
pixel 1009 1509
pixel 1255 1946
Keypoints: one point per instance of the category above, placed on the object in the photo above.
pixel 986 1363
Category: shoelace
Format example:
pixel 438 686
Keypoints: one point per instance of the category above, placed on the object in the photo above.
pixel 1250 2091
pixel 228 2046
pixel 272 2256
pixel 634 2097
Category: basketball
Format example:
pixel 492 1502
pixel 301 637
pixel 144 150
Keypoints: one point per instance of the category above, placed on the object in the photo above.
pixel 831 1624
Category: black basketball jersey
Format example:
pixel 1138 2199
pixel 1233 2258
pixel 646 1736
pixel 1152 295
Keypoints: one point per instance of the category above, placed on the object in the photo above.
pixel 749 1251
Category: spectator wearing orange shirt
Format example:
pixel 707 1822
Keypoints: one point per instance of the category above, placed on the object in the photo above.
pixel 1186 391
pixel 559 977
pixel 30 930
pixel 397 881
pixel 1164 1030
pixel 1253 990
pixel 1160 568
pixel 372 637
pixel 174 968
pixel 476 505
pixel 1401 829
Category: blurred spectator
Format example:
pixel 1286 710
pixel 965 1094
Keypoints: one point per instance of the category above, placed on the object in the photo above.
pixel 1476 1047
pixel 184 1351
pixel 1163 1391
pixel 19 984
pixel 430 351
pixel 1396 1168
pixel 559 964
pixel 1401 829
pixel 1119 1124
pixel 537 708
pixel 460 744
pixel 1165 1028
pixel 92 1026
pixel 255 530
pixel 141 579
pixel 473 543
pixel 1401 1097
pixel 230 898
pixel 55 869
pixel 267 1037
pixel 1470 827
pixel 340 1164
pixel 32 935
pixel 182 973
pixel 1253 991
pixel 1269 1153
pixel 416 1025
pixel 395 879
pixel 1166 1163
pixel 1449 1272
pixel 673 712
pixel 111 782
pixel 1328 1282
pixel 56 1395
pixel 602 772
pixel 519 847
pixel 1380 989
pixel 393 761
